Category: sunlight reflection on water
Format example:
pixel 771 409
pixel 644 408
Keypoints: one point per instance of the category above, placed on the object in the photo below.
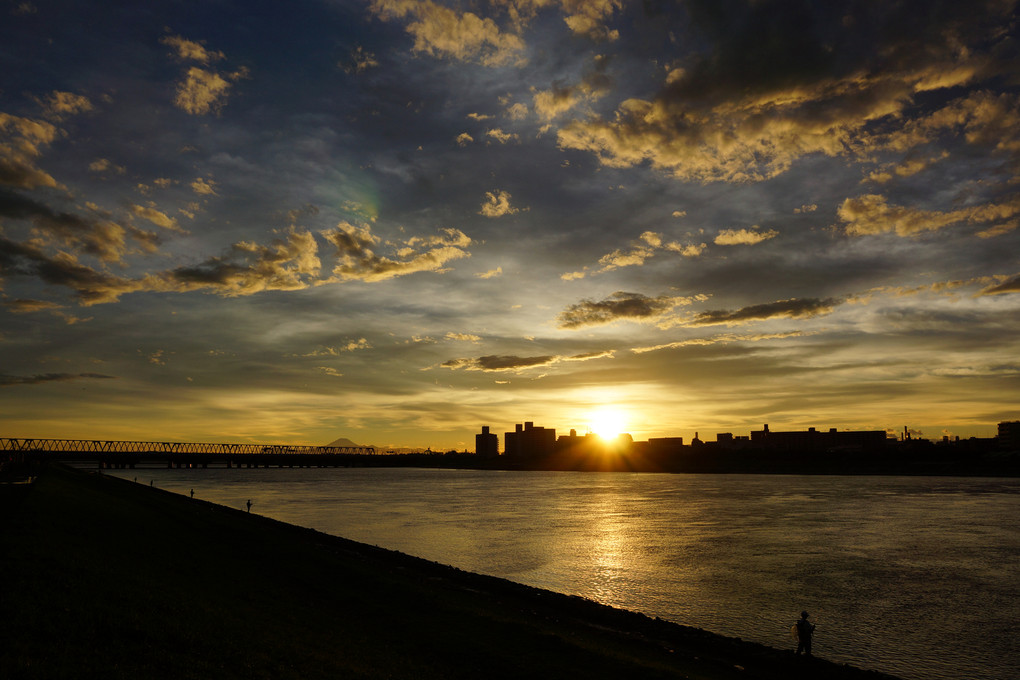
pixel 913 576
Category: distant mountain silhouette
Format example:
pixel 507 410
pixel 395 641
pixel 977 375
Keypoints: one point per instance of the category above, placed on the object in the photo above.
pixel 343 441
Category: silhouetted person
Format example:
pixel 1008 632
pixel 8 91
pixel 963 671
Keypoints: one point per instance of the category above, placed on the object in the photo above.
pixel 249 505
pixel 192 493
pixel 805 629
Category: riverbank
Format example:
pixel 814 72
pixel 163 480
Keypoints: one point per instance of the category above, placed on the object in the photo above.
pixel 103 577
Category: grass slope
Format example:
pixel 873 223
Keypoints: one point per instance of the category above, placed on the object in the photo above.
pixel 105 578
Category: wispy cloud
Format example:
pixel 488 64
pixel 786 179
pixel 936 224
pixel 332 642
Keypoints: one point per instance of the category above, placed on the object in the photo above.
pixel 190 50
pixel 639 251
pixel 463 337
pixel 359 60
pixel 724 338
pixel 7 379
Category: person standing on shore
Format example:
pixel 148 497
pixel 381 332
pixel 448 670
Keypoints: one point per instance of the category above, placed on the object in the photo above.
pixel 249 505
pixel 805 629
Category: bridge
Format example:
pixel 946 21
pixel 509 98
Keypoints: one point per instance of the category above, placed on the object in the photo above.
pixel 128 454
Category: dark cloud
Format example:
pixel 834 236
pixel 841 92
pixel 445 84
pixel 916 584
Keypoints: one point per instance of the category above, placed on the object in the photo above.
pixel 63 269
pixel 7 379
pixel 618 306
pixel 1011 285
pixel 289 263
pixel 784 80
pixel 776 45
pixel 101 238
pixel 516 363
pixel 499 362
pixel 781 309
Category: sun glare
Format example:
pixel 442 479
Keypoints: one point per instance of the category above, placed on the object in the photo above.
pixel 608 424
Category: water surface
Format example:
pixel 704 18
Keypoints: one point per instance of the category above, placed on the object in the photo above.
pixel 912 576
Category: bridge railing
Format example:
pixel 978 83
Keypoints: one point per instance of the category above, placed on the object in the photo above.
pixel 111 446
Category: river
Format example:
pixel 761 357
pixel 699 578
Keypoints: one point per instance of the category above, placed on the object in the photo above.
pixel 915 576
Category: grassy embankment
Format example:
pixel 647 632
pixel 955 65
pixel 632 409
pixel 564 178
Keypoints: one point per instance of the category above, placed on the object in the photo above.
pixel 105 578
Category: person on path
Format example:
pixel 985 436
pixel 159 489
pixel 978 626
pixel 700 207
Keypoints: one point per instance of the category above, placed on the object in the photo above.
pixel 805 629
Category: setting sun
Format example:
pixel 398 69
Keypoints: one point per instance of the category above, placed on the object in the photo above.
pixel 608 424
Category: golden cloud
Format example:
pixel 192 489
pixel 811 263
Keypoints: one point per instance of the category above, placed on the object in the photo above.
pixel 190 50
pixel 748 237
pixel 23 306
pixel 497 204
pixel 501 136
pixel 158 218
pixel 60 104
pixel 201 91
pixel 440 31
pixel 560 99
pixel 639 251
pixel 872 214
pixel 716 122
pixel 587 17
pixel 356 259
pixel 204 187
pixel 463 337
pixel 290 263
pixel 20 143
pixel 492 273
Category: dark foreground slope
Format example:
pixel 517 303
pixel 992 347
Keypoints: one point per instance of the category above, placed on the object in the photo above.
pixel 104 578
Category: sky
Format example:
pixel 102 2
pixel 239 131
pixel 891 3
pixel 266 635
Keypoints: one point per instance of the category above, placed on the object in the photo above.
pixel 397 221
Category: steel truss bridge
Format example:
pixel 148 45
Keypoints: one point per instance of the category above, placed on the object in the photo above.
pixel 120 454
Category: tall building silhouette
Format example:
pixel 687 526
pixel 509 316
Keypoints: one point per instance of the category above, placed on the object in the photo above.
pixel 486 443
pixel 1009 435
pixel 528 441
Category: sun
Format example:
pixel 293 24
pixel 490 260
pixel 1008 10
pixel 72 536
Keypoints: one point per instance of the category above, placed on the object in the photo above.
pixel 608 423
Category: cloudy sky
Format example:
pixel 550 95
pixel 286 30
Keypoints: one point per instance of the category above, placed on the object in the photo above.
pixel 399 220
